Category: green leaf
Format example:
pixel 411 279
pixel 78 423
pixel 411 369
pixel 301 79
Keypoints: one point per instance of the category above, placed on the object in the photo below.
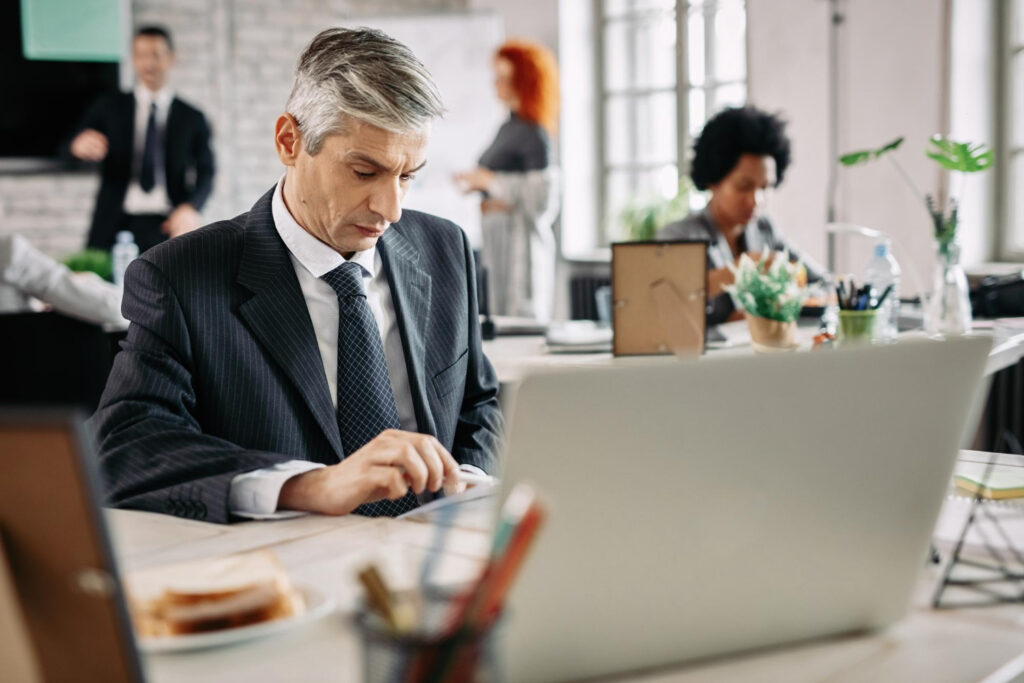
pixel 891 146
pixel 642 219
pixel 854 158
pixel 768 292
pixel 964 157
pixel 944 161
pixel 942 144
pixel 90 260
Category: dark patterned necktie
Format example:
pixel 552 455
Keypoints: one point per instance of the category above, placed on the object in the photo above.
pixel 366 401
pixel 147 176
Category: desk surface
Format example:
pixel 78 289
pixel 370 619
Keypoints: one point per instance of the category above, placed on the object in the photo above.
pixel 514 355
pixel 952 645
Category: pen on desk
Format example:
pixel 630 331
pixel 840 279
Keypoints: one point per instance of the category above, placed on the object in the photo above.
pixel 399 615
pixel 522 515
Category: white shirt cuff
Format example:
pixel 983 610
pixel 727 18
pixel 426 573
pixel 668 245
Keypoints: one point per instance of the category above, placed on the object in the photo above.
pixel 254 494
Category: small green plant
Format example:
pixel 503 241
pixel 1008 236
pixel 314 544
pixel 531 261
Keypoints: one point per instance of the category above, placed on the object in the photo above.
pixel 642 219
pixel 960 157
pixel 92 261
pixel 768 288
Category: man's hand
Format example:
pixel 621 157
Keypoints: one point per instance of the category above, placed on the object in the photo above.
pixel 90 145
pixel 386 467
pixel 183 219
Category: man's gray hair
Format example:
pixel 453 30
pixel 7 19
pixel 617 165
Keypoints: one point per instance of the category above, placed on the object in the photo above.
pixel 361 74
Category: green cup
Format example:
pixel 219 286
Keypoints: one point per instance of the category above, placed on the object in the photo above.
pixel 857 327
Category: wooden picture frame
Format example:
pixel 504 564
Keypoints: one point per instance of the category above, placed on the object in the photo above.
pixel 60 598
pixel 659 297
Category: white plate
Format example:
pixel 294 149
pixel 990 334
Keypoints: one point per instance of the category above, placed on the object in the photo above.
pixel 317 605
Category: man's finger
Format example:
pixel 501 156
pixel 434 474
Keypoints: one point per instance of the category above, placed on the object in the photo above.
pixel 431 453
pixel 386 482
pixel 396 486
pixel 451 467
pixel 415 467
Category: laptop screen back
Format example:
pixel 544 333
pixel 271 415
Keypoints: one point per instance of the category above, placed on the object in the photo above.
pixel 729 503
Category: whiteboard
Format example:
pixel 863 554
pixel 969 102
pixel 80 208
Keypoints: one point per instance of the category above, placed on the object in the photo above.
pixel 458 49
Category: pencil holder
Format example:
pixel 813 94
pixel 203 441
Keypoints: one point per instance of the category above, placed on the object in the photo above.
pixel 430 652
pixel 857 327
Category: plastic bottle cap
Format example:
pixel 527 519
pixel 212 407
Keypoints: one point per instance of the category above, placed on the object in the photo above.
pixel 882 249
pixel 125 237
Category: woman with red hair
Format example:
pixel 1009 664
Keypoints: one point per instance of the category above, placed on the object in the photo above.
pixel 519 186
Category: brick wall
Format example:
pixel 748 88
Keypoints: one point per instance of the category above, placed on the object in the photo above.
pixel 235 61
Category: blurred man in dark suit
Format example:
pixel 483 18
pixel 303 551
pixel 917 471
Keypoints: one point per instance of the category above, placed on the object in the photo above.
pixel 320 352
pixel 154 150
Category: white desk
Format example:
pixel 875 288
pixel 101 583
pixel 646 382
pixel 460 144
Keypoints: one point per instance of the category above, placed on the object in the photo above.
pixel 512 356
pixel 938 646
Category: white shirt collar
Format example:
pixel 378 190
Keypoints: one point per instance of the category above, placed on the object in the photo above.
pixel 315 256
pixel 162 97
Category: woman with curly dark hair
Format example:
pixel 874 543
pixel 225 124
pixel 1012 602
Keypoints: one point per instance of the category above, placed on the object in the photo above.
pixel 741 153
pixel 519 184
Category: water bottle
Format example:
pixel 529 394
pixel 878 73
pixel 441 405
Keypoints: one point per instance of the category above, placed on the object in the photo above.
pixel 881 272
pixel 124 252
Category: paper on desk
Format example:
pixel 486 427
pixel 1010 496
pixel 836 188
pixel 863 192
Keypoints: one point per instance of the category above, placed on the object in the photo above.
pixel 473 493
pixel 1008 514
pixel 729 335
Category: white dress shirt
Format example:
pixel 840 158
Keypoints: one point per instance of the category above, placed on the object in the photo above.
pixel 137 200
pixel 255 494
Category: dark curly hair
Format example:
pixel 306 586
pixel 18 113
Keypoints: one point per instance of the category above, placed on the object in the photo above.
pixel 733 133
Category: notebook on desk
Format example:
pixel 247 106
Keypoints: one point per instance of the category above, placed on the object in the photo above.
pixel 730 503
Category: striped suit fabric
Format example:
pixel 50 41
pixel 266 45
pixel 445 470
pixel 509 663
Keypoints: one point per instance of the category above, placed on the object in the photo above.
pixel 220 373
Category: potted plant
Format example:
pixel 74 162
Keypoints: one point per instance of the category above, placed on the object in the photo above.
pixel 947 307
pixel 641 219
pixel 771 294
pixel 90 261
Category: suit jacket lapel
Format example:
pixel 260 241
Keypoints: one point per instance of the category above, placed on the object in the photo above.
pixel 125 133
pixel 410 292
pixel 171 132
pixel 278 316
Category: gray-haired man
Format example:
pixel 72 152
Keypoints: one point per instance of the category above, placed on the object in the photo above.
pixel 322 351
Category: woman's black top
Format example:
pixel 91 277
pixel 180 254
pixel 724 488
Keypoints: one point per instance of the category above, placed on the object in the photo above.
pixel 518 147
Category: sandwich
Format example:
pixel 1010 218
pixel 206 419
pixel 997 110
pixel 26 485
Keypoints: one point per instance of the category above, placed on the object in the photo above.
pixel 211 594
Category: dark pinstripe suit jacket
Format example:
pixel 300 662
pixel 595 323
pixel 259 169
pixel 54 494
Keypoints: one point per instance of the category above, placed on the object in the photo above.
pixel 221 374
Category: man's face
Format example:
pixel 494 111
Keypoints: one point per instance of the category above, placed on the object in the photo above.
pixel 153 59
pixel 740 194
pixel 352 189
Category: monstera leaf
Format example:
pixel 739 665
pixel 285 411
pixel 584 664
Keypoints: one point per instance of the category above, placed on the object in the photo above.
pixel 965 157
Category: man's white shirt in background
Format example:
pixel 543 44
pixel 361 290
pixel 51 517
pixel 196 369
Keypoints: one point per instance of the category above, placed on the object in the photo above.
pixel 136 200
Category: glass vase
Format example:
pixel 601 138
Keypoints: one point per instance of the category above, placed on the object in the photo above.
pixel 948 308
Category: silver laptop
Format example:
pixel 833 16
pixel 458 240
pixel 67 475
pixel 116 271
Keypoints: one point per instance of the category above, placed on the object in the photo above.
pixel 729 503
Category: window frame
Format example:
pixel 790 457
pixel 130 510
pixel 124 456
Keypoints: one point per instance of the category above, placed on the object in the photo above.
pixel 682 87
pixel 1010 242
